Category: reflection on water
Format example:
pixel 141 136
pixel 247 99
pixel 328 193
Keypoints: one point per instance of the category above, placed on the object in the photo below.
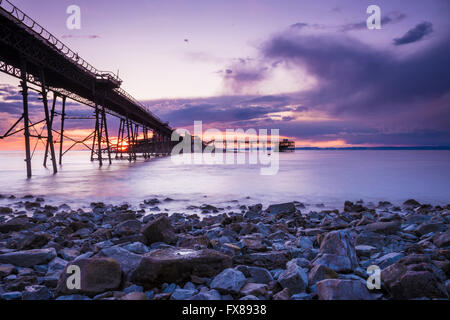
pixel 328 177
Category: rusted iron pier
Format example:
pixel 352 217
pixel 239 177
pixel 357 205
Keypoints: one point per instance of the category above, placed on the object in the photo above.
pixel 45 65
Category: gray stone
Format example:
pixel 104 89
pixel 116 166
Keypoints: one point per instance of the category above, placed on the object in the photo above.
pixel 229 280
pixel 137 247
pixel 14 295
pixel 36 292
pixel 28 258
pixel 128 261
pixel 182 294
pixel 294 278
pixel 388 259
pixel 281 208
pixel 337 252
pixel 337 289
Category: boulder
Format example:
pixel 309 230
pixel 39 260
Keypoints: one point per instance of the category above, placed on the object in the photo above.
pixel 128 261
pixel 338 289
pixel 337 252
pixel 183 294
pixel 428 227
pixel 319 273
pixel 28 258
pixel 6 270
pixel 15 224
pixel 388 259
pixel 294 278
pixel 255 289
pixel 282 295
pixel 134 296
pixel 97 275
pixel 443 240
pixel 390 227
pixel 229 280
pixel 159 230
pixel 269 260
pixel 281 208
pixel 414 276
pixel 36 292
pixel 34 241
pixel 178 265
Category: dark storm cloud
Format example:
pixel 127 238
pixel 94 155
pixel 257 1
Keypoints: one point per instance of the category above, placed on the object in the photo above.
pixel 415 34
pixel 375 88
pixel 355 78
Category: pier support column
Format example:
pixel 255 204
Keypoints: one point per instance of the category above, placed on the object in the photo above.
pixel 106 135
pixel 26 119
pixel 61 138
pixel 48 122
pixel 52 116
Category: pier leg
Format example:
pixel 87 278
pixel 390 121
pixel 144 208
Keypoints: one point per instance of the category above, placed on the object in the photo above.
pixel 129 140
pixel 95 134
pixel 106 135
pixel 26 119
pixel 52 116
pixel 61 138
pixel 99 137
pixel 48 123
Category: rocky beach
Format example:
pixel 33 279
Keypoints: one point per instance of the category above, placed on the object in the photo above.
pixel 285 251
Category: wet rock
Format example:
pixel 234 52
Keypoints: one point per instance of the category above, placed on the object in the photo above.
pixel 178 265
pixel 36 292
pixel 428 227
pixel 34 241
pixel 337 252
pixel 6 270
pixel 411 203
pixel 134 296
pixel 207 295
pixel 128 261
pixel 383 227
pixel 269 260
pixel 5 210
pixel 256 274
pixel 319 273
pixel 371 238
pixel 365 250
pixel 414 276
pixel 294 278
pixel 229 280
pixel 28 258
pixel 136 247
pixel 183 294
pixel 282 295
pixel 388 259
pixel 69 254
pixel 255 289
pixel 159 230
pixel 443 240
pixel 281 208
pixel 15 224
pixel 73 297
pixel 337 289
pixel 97 275
pixel 14 295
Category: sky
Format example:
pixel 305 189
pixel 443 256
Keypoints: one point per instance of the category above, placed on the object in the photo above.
pixel 309 68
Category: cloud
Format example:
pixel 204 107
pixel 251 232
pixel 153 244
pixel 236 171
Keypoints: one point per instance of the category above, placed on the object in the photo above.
pixel 405 98
pixel 392 17
pixel 415 34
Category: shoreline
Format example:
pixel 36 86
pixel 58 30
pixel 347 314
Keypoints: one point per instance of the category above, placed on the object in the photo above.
pixel 285 251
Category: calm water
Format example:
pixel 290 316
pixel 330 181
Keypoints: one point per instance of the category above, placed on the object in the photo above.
pixel 328 177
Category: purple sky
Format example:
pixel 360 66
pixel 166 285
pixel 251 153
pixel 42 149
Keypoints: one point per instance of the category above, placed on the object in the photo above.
pixel 310 68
